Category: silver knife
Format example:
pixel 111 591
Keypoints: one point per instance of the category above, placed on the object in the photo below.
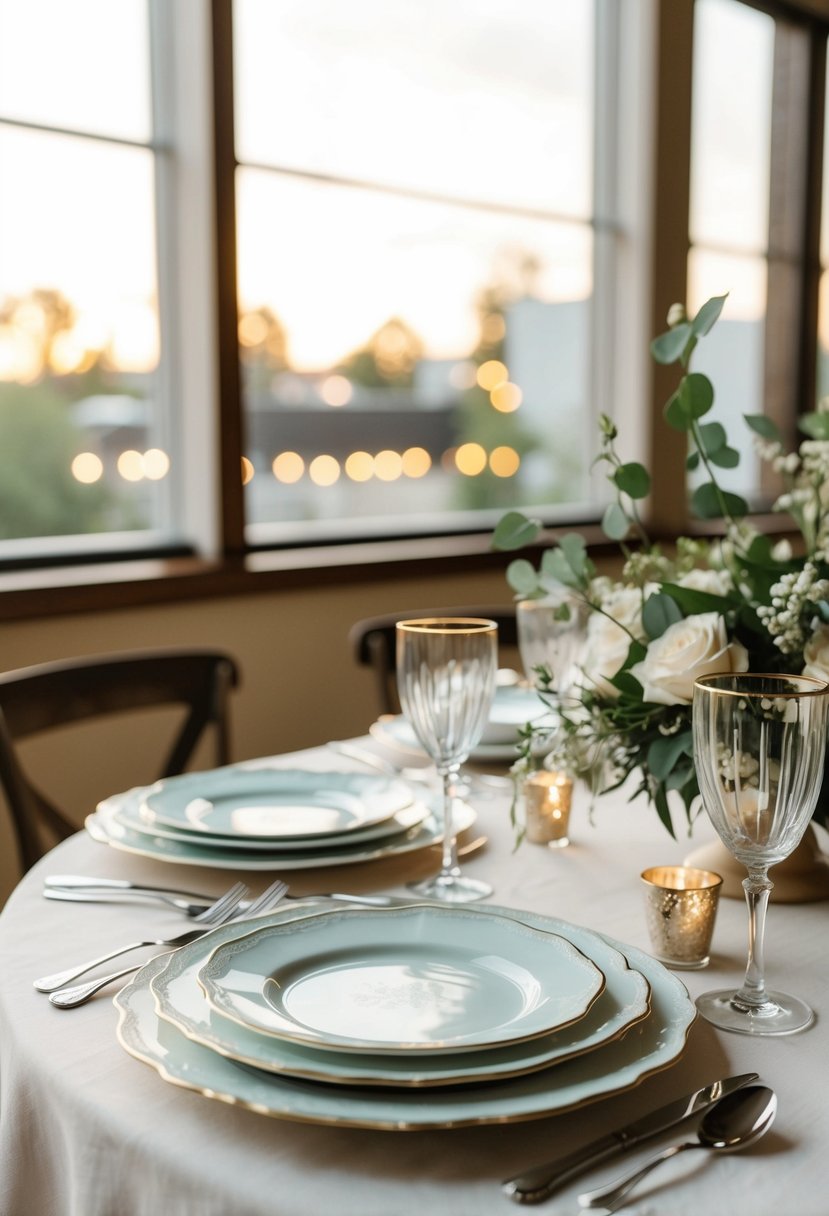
pixel 540 1181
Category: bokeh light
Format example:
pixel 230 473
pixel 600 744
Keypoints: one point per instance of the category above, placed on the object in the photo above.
pixel 324 470
pixel 388 465
pixel 360 466
pixel 416 462
pixel 288 467
pixel 87 468
pixel 504 461
pixel 336 390
pixel 156 464
pixel 506 397
pixel 491 374
pixel 470 459
pixel 130 465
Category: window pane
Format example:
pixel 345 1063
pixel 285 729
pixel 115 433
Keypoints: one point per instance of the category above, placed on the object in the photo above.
pixel 489 102
pixel 82 64
pixel 78 339
pixel 731 131
pixel 404 358
pixel 416 345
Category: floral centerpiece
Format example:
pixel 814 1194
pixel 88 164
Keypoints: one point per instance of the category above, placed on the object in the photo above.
pixel 736 603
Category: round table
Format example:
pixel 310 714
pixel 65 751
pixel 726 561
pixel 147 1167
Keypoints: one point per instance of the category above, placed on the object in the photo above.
pixel 88 1130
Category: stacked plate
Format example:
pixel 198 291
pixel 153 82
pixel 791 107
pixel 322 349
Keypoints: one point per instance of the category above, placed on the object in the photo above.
pixel 513 706
pixel 411 1016
pixel 245 817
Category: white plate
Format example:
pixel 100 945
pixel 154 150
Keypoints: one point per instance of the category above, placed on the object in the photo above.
pixel 394 732
pixel 104 827
pixel 651 1046
pixel 402 821
pixel 417 978
pixel 273 804
pixel 513 706
pixel 180 999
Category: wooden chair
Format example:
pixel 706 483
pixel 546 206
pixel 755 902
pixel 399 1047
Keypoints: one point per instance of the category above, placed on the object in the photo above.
pixel 38 699
pixel 373 642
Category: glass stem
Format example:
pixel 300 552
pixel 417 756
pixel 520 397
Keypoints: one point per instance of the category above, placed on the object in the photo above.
pixel 449 862
pixel 752 995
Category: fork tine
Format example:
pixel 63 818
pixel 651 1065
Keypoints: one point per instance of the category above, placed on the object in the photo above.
pixel 226 904
pixel 268 899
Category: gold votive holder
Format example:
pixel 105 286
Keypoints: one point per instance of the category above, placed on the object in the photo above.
pixel 680 910
pixel 547 797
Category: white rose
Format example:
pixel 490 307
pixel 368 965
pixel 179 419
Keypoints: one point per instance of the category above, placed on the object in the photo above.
pixel 608 639
pixel 716 582
pixel 816 655
pixel 696 646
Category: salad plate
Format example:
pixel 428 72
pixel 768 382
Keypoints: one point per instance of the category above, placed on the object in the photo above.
pixel 105 827
pixel 401 821
pixel 401 980
pixel 650 1046
pixel 273 804
pixel 180 999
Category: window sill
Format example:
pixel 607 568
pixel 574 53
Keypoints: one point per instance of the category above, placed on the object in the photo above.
pixel 131 583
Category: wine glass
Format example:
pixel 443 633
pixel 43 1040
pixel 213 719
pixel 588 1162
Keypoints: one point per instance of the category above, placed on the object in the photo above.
pixel 446 680
pixel 759 743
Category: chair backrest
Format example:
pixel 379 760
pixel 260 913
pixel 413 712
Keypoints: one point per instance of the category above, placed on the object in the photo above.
pixel 37 699
pixel 373 642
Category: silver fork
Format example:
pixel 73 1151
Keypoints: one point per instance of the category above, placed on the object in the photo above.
pixel 70 998
pixel 218 912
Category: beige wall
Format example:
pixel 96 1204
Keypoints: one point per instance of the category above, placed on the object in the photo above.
pixel 300 685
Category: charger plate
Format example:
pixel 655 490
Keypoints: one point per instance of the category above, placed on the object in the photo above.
pixel 105 827
pixel 180 999
pixel 651 1046
pixel 273 804
pixel 401 821
pixel 417 978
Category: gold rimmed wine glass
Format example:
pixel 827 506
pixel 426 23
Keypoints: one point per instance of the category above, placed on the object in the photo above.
pixel 446 670
pixel 759 743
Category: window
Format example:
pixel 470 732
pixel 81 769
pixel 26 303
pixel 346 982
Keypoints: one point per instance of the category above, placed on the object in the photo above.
pixel 439 251
pixel 750 223
pixel 417 267
pixel 85 436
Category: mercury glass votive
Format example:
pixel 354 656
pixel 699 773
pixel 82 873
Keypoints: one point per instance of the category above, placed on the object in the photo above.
pixel 547 797
pixel 680 910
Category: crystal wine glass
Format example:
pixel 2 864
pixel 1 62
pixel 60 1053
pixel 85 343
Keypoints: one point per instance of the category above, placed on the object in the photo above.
pixel 759 743
pixel 446 680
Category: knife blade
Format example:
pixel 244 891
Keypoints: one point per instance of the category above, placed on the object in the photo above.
pixel 540 1181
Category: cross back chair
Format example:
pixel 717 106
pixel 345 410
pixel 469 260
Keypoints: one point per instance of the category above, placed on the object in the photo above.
pixel 373 642
pixel 37 699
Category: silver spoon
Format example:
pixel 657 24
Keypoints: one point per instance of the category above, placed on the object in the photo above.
pixel 732 1123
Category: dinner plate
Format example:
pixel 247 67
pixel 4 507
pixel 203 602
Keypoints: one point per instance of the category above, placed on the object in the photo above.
pixel 401 821
pixel 274 804
pixel 104 826
pixel 513 706
pixel 651 1046
pixel 417 978
pixel 180 999
pixel 394 732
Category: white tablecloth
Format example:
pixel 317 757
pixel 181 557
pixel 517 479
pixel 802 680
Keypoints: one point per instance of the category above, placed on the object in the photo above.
pixel 86 1129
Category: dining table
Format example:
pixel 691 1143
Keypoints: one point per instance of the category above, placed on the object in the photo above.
pixel 86 1129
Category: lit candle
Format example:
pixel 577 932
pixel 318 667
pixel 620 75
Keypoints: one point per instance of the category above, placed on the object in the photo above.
pixel 680 909
pixel 547 797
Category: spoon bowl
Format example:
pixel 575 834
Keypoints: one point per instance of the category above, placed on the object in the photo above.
pixel 733 1123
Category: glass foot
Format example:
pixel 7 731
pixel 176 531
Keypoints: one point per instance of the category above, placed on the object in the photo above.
pixel 781 1014
pixel 451 889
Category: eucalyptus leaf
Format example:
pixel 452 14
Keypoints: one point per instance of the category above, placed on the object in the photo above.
pixel 713 437
pixel 515 530
pixel 633 479
pixel 660 801
pixel 665 751
pixel 762 425
pixel 692 601
pixel 696 393
pixel 725 457
pixel 707 316
pixel 670 346
pixel 659 613
pixel 675 414
pixel 615 524
pixel 693 461
pixel 815 425
pixel 573 547
pixel 709 502
pixel 522 577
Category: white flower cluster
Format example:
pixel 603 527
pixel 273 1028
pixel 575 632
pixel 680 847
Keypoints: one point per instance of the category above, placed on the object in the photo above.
pixel 789 617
